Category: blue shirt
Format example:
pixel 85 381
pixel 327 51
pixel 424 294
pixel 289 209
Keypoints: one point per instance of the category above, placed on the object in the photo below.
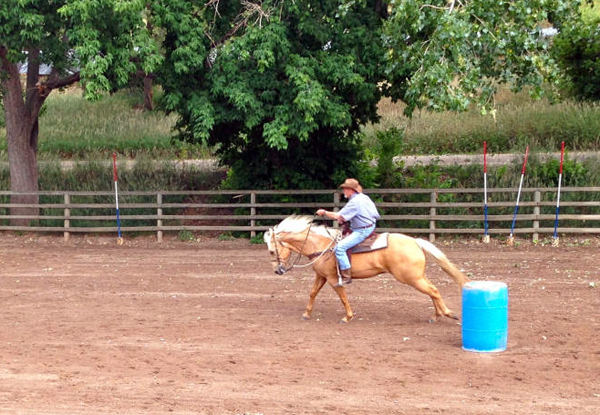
pixel 360 211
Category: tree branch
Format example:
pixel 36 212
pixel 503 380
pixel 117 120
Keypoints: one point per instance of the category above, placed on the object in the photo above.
pixel 54 81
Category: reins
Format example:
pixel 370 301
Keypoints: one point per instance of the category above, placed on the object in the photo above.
pixel 328 249
pixel 319 255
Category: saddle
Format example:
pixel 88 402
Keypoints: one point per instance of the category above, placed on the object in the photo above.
pixel 373 242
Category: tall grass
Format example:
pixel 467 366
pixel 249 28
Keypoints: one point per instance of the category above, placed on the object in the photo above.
pixel 518 122
pixel 73 128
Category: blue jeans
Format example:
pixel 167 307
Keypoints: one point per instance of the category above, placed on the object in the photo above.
pixel 356 237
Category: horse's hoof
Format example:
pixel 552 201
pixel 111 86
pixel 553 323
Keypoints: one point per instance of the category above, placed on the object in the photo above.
pixel 433 319
pixel 453 316
pixel 305 317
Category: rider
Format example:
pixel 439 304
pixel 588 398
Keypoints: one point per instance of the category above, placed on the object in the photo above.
pixel 362 214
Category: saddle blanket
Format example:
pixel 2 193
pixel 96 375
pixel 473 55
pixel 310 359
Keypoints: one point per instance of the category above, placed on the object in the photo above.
pixel 372 243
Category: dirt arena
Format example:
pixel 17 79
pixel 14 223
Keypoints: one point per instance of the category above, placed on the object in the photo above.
pixel 206 327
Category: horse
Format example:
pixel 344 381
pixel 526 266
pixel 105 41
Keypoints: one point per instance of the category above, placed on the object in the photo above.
pixel 404 258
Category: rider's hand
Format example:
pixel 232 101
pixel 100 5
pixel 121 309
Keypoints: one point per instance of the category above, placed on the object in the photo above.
pixel 321 212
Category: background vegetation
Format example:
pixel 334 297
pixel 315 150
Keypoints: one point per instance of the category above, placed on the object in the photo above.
pixel 72 128
pixel 77 130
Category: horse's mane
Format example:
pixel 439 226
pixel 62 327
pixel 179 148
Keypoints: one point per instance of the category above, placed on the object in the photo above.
pixel 299 223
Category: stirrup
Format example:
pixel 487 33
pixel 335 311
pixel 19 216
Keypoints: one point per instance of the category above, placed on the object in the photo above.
pixel 343 281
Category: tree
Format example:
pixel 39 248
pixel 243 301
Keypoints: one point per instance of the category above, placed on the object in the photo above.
pixel 281 88
pixel 452 54
pixel 577 50
pixel 81 40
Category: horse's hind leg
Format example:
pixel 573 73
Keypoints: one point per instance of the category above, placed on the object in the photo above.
pixel 317 285
pixel 426 287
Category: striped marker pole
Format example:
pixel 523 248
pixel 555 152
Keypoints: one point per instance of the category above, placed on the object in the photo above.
pixel 560 172
pixel 511 239
pixel 486 237
pixel 120 239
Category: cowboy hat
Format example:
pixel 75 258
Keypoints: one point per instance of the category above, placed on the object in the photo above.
pixel 352 184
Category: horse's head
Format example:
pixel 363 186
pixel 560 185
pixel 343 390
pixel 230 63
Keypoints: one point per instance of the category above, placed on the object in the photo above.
pixel 294 234
pixel 279 251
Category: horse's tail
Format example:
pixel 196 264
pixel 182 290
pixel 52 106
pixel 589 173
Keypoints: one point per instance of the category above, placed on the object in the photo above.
pixel 441 259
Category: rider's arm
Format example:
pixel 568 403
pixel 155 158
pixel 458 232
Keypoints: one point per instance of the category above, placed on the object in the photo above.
pixel 329 214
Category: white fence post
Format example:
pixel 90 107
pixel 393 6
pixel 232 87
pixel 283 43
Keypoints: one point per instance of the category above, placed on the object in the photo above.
pixel 252 213
pixel 67 224
pixel 432 210
pixel 159 222
pixel 536 211
pixel 336 203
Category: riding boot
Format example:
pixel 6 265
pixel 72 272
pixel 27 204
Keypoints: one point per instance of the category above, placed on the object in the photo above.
pixel 345 277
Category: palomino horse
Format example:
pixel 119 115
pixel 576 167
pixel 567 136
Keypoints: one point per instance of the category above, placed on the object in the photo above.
pixel 404 258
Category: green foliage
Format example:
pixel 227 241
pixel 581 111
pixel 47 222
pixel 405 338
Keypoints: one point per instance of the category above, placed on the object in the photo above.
pixel 577 49
pixel 281 89
pixel 257 239
pixel 227 236
pixel 108 37
pixel 75 128
pixel 25 24
pixel 450 54
pixel 186 236
pixel 101 38
pixel 282 95
pixel 389 144
pixel 518 122
pixel 322 163
pixel 98 176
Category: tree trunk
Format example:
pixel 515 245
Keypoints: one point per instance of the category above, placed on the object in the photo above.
pixel 22 161
pixel 148 95
pixel 21 119
pixel 21 135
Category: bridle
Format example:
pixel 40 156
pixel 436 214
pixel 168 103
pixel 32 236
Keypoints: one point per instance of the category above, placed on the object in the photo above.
pixel 281 269
pixel 314 257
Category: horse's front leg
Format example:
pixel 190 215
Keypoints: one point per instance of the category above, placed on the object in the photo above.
pixel 317 285
pixel 341 292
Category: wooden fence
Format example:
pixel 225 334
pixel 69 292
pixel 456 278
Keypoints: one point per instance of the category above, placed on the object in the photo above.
pixel 423 212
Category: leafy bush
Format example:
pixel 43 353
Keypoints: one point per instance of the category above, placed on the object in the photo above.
pixel 297 167
pixel 577 49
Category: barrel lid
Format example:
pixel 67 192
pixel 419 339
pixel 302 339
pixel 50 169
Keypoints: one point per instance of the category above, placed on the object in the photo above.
pixel 485 285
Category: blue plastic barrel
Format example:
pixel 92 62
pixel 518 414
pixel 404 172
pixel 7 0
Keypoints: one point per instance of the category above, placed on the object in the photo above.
pixel 484 316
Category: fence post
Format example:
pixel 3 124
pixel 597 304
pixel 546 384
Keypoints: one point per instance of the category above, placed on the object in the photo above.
pixel 252 213
pixel 433 200
pixel 159 222
pixel 536 212
pixel 336 203
pixel 67 234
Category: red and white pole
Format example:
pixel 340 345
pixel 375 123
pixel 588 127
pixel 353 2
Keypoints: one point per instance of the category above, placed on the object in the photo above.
pixel 486 237
pixel 560 172
pixel 116 178
pixel 512 228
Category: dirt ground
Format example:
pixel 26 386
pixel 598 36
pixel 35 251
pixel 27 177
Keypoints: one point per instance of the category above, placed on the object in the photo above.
pixel 89 327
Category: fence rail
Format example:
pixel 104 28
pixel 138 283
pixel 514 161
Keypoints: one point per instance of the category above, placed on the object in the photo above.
pixel 412 211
